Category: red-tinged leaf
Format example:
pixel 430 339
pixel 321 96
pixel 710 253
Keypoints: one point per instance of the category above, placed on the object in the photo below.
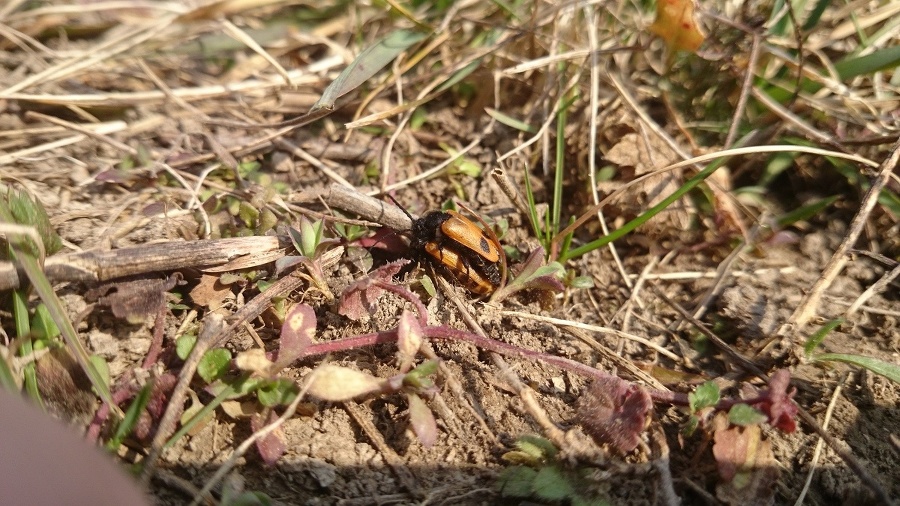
pixel 778 403
pixel 533 275
pixel 421 419
pixel 745 463
pixel 271 446
pixel 409 339
pixel 385 239
pixel 296 333
pixel 159 397
pixel 614 412
pixel 675 24
pixel 335 384
pixel 359 300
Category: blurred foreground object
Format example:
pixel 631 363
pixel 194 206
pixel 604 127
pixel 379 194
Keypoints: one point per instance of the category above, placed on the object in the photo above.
pixel 43 462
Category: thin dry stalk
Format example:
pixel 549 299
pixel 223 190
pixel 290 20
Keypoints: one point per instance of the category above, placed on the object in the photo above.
pixel 810 302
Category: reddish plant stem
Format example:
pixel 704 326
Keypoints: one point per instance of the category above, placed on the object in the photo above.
pixel 505 349
pixel 404 293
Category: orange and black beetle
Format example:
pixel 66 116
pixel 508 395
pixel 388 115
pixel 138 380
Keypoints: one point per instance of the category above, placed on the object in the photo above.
pixel 463 250
pixel 456 245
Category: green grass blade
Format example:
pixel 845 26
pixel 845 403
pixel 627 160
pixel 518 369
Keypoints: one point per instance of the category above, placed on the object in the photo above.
pixel 815 14
pixel 885 58
pixel 367 64
pixel 818 336
pixel 510 121
pixel 130 420
pixel 556 211
pixel 806 212
pixel 21 252
pixel 643 218
pixel 886 369
pixel 532 210
pixel 23 331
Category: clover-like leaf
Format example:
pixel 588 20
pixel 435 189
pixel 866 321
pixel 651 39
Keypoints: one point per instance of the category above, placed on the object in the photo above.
pixel 214 364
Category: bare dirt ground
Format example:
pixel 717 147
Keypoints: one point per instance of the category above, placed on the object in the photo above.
pixel 115 124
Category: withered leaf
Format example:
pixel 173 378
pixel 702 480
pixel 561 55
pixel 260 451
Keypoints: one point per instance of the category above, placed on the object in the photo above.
pixel 359 300
pixel 645 156
pixel 134 299
pixel 614 412
pixel 746 465
pixel 210 292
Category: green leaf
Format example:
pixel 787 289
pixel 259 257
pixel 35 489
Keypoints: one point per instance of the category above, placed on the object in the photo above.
pixel 517 481
pixel 691 425
pixel 582 282
pixel 184 345
pixel 510 121
pixel 132 415
pixel 886 369
pixel 818 336
pixel 706 396
pixel 881 59
pixel 214 364
pixel 744 415
pixel 370 61
pixel 247 213
pixel 550 484
pixel 278 392
pixel 537 447
pixel 42 325
pixel 7 380
pixel 251 498
pixel 102 368
pixel 23 328
pixel 419 377
pixel 806 212
pixel 28 211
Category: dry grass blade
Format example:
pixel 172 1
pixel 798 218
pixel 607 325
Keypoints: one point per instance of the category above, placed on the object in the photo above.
pixel 810 303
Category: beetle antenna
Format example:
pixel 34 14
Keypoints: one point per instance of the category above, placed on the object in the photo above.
pixel 388 195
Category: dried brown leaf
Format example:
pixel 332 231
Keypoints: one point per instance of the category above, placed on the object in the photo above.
pixel 136 299
pixel 210 292
pixel 639 156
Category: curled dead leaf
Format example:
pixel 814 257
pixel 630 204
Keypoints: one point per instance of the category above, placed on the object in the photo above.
pixel 335 383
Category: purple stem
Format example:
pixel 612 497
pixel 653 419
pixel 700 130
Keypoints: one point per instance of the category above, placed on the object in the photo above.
pixel 404 293
pixel 508 350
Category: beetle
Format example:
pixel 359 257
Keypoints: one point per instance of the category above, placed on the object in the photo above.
pixel 464 251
